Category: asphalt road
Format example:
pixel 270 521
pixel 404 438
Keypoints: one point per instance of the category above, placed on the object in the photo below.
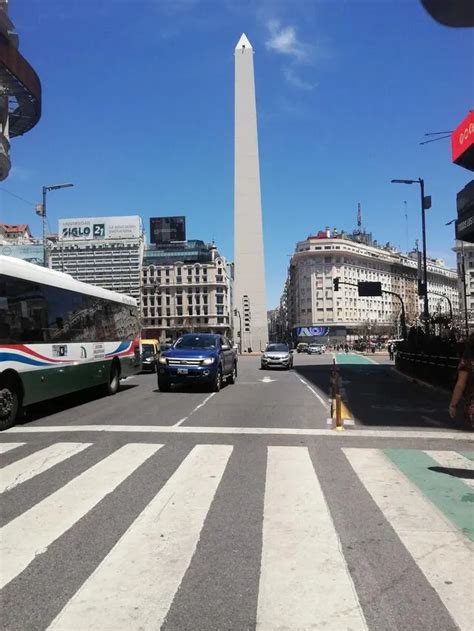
pixel 240 510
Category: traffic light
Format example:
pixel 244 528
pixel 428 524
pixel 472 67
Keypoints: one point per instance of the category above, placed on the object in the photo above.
pixel 336 283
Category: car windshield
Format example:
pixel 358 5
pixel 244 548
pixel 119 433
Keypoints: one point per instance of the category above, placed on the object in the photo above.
pixel 196 341
pixel 147 349
pixel 277 348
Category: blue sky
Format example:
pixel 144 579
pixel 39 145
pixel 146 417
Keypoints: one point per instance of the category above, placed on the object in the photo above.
pixel 138 113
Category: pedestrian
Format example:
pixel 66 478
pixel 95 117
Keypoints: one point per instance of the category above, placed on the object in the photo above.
pixel 390 351
pixel 465 384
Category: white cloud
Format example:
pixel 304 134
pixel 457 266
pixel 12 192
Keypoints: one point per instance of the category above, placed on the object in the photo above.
pixel 283 40
pixel 296 81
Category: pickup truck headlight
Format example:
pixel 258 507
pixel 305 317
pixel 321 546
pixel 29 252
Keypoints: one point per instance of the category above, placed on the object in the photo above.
pixel 162 360
pixel 207 361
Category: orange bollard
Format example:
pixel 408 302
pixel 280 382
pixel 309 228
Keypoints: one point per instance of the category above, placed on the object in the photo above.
pixel 339 422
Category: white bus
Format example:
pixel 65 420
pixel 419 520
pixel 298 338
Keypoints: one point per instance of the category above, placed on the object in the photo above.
pixel 58 336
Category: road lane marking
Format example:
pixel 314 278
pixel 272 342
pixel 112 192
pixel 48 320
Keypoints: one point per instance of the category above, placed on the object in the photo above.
pixel 349 421
pixel 311 389
pixel 30 534
pixel 4 447
pixel 37 462
pixel 181 421
pixel 135 584
pixel 436 545
pixel 276 431
pixel 453 460
pixel 301 552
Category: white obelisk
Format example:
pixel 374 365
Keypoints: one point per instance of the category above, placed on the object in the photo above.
pixel 249 285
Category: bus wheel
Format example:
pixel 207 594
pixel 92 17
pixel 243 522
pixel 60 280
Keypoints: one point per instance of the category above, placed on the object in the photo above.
pixel 114 379
pixel 9 405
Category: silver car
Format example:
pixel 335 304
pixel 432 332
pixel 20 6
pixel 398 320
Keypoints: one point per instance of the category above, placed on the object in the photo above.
pixel 277 355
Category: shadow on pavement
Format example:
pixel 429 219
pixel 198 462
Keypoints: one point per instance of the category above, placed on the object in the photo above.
pixel 463 474
pixel 377 396
pixel 190 387
pixel 67 402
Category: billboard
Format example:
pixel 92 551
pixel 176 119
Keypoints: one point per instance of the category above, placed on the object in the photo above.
pixel 33 253
pixel 465 207
pixel 312 331
pixel 462 143
pixel 94 228
pixel 167 229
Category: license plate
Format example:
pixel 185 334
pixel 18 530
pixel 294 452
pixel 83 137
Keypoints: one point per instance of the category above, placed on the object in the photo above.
pixel 182 371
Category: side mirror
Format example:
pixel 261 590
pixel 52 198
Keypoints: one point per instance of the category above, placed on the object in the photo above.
pixel 292 351
pixel 225 347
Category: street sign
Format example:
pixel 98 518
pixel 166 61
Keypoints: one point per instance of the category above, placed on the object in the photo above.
pixel 369 288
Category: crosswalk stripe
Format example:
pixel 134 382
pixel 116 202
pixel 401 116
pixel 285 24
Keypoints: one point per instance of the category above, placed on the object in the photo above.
pixel 436 545
pixel 4 447
pixel 14 474
pixel 453 460
pixel 31 533
pixel 304 580
pixel 135 584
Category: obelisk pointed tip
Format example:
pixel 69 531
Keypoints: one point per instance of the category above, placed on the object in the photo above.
pixel 243 43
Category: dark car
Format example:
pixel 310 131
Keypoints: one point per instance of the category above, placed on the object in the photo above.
pixel 198 358
pixel 149 355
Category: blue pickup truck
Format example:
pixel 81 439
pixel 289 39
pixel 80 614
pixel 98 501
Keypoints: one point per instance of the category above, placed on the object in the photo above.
pixel 198 358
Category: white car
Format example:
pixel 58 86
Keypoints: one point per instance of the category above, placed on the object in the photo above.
pixel 316 349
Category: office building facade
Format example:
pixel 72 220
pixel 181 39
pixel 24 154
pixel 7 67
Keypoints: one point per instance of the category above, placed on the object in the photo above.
pixel 103 251
pixel 311 307
pixel 465 264
pixel 186 287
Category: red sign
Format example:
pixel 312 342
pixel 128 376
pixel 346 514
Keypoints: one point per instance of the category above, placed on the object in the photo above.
pixel 462 142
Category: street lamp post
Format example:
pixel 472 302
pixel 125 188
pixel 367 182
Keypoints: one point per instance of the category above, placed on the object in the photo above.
pixel 425 204
pixel 41 211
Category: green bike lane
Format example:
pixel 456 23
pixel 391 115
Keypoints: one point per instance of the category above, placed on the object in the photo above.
pixel 377 395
